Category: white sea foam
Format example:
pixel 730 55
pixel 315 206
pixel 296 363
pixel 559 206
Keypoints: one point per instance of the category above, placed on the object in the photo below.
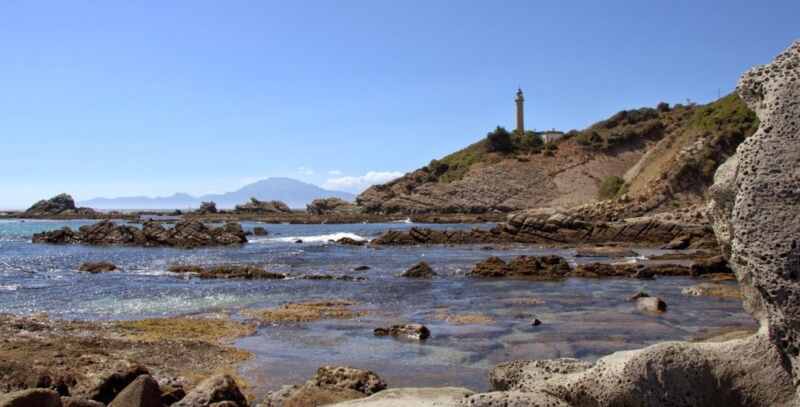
pixel 9 287
pixel 312 239
pixel 406 220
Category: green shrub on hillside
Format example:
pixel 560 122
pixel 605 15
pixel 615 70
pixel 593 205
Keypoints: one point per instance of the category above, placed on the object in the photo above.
pixel 611 187
pixel 499 141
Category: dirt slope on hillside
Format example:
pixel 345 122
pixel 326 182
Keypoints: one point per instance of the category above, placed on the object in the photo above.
pixel 666 157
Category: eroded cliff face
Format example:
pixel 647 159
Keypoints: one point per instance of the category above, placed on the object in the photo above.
pixel 755 207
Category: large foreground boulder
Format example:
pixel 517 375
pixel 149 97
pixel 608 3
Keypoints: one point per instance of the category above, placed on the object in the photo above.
pixel 215 389
pixel 31 398
pixel 331 384
pixel 755 206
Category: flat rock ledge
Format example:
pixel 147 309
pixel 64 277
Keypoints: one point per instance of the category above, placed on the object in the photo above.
pixel 547 227
pixel 185 234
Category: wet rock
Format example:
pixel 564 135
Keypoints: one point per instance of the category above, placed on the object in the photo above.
pixel 106 386
pixel 97 267
pixel 727 291
pixel 419 270
pixel 651 304
pixel 331 384
pixel 307 312
pixel 712 265
pixel 185 234
pixel 262 207
pixel 299 241
pixel 361 268
pixel 260 231
pixel 536 322
pixel 416 332
pixel 142 392
pixel 31 398
pixel 215 389
pixel 227 271
pixel 605 251
pixel 640 294
pixel 543 268
pixel 348 241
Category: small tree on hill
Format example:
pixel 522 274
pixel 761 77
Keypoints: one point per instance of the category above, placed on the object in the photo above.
pixel 500 140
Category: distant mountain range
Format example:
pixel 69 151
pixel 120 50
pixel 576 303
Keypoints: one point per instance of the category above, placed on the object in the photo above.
pixel 294 193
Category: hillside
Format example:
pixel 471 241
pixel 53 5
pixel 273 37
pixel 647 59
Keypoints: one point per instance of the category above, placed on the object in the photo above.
pixel 654 157
pixel 294 193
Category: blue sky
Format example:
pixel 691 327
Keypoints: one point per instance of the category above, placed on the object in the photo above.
pixel 151 97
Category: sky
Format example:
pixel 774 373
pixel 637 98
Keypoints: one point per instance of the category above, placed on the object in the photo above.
pixel 115 98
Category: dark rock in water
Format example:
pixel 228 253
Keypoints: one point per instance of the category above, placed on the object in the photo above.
pixel 185 234
pixel 330 277
pixel 605 251
pixel 642 271
pixel 536 322
pixel 543 267
pixel 227 271
pixel 328 206
pixel 331 384
pixel 640 294
pixel 215 389
pixel 207 208
pixel 712 265
pixel 97 267
pixel 361 268
pixel 419 270
pixel 256 206
pixel 260 231
pixel 31 398
pixel 142 392
pixel 59 205
pixel 409 331
pixel 651 305
pixel 299 241
pixel 351 242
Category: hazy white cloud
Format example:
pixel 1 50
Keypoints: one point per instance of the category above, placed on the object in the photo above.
pixel 305 171
pixel 361 182
pixel 334 172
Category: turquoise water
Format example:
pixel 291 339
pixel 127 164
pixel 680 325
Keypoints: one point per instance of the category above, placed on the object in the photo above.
pixel 585 318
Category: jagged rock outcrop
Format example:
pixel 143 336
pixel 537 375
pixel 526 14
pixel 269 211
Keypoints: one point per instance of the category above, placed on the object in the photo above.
pixel 542 268
pixel 256 206
pixel 61 205
pixel 185 234
pixel 754 208
pixel 331 384
pixel 548 226
pixel 327 206
pixel 227 271
pixel 207 208
pixel 419 270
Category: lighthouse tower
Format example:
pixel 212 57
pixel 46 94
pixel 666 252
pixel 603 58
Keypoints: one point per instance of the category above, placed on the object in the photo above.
pixel 520 112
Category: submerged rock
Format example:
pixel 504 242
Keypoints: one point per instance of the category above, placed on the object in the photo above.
pixel 651 304
pixel 97 267
pixel 728 291
pixel 260 231
pixel 232 271
pixel 544 267
pixel 307 312
pixel 415 332
pixel 419 270
pixel 605 251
